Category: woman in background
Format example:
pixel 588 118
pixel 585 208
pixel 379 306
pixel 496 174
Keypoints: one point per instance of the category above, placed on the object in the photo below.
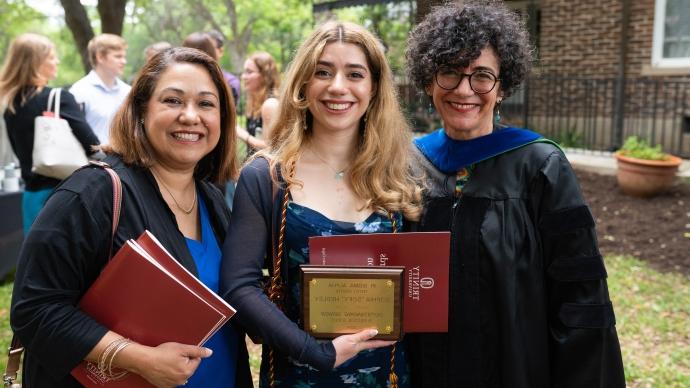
pixel 30 64
pixel 261 81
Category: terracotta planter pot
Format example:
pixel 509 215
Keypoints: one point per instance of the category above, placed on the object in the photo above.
pixel 646 178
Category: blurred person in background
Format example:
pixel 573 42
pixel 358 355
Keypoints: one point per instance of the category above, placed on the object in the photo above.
pixel 30 64
pixel 231 79
pixel 155 48
pixel 261 80
pixel 101 92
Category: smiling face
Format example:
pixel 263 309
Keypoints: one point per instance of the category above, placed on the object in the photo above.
pixel 113 62
pixel 182 118
pixel 341 88
pixel 466 114
pixel 49 68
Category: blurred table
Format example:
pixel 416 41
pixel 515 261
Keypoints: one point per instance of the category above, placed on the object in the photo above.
pixel 11 234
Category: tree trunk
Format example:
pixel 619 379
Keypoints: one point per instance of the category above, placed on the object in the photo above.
pixel 112 13
pixel 424 7
pixel 79 24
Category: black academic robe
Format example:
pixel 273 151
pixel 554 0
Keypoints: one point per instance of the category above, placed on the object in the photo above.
pixel 529 303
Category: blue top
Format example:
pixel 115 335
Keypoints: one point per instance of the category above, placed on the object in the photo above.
pixel 370 368
pixel 219 369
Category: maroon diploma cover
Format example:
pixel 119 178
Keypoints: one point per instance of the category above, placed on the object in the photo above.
pixel 424 255
pixel 145 295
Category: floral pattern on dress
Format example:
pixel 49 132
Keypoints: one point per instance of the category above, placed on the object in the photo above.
pixel 370 368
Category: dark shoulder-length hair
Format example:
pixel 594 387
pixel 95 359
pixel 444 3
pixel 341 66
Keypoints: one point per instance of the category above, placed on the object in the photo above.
pixel 128 137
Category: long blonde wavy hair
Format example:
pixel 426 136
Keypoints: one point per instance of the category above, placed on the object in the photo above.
pixel 25 56
pixel 380 173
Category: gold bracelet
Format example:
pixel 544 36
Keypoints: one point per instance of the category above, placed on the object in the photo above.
pixel 104 354
pixel 106 357
pixel 116 376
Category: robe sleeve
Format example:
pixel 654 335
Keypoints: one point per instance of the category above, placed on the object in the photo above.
pixel 583 344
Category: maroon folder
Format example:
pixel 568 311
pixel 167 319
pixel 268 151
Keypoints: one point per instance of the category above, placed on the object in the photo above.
pixel 424 255
pixel 145 295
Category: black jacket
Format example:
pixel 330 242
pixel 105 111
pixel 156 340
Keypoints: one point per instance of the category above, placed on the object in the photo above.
pixel 529 304
pixel 20 130
pixel 67 248
pixel 255 221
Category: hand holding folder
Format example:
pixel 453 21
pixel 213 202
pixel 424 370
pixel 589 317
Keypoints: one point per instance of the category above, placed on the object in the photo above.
pixel 145 295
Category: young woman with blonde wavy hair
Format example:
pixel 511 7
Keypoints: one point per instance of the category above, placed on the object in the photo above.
pixel 340 149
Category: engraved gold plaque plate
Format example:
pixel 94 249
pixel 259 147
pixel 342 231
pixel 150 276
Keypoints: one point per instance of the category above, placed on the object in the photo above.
pixel 345 300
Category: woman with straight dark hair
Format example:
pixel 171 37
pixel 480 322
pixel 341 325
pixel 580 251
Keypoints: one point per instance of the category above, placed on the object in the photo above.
pixel 172 139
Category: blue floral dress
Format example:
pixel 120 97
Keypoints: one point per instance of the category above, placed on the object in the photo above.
pixel 370 368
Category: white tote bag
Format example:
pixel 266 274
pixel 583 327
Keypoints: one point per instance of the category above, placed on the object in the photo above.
pixel 57 153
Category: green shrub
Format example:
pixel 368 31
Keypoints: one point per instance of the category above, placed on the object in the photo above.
pixel 635 147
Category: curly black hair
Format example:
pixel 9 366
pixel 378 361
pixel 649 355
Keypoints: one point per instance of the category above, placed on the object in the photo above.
pixel 455 34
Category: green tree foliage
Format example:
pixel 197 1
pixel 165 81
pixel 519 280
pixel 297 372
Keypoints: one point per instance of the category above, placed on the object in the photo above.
pixel 391 22
pixel 248 25
pixel 277 27
pixel 17 17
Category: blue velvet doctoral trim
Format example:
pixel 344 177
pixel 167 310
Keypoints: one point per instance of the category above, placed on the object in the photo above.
pixel 449 155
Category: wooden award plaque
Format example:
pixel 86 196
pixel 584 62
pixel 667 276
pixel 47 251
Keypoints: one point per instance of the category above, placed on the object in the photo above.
pixel 345 300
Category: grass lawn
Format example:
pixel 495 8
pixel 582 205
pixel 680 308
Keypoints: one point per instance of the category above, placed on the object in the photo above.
pixel 653 320
pixel 652 313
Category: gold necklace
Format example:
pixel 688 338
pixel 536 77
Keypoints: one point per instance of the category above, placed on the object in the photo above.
pixel 183 210
pixel 339 175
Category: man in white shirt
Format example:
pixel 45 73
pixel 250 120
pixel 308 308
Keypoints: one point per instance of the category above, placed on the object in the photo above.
pixel 101 92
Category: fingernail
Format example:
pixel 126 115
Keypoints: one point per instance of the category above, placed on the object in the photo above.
pixel 374 333
pixel 208 351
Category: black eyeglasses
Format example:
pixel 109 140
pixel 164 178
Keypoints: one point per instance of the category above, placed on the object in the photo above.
pixel 481 81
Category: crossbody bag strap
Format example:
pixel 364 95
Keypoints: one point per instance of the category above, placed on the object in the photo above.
pixel 117 201
pixel 276 291
pixel 392 376
pixel 14 361
pixel 14 354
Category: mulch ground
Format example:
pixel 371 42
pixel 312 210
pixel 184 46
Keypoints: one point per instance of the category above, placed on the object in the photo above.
pixel 655 230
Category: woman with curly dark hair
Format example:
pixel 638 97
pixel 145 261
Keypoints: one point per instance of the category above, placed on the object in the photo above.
pixel 529 303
